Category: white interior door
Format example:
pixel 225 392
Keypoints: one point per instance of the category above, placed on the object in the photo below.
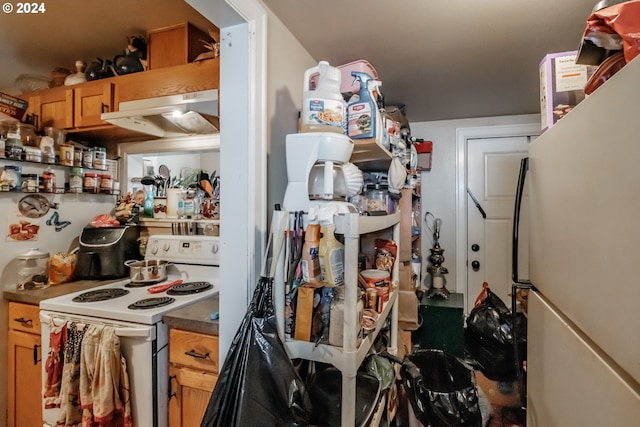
pixel 492 175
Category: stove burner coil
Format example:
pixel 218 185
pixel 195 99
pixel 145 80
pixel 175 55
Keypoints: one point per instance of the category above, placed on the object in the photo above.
pixel 147 303
pixel 189 288
pixel 100 295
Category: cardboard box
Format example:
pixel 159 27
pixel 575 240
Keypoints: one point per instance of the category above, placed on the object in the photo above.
pixel 424 150
pixel 175 45
pixel 13 107
pixel 562 83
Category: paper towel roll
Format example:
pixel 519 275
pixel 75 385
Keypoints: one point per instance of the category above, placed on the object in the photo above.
pixel 173 196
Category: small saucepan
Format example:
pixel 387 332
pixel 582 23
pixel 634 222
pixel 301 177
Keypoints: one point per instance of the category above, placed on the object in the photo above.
pixel 147 271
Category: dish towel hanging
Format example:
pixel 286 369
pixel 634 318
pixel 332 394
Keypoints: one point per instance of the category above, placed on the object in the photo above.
pixel 70 414
pixel 54 364
pixel 104 382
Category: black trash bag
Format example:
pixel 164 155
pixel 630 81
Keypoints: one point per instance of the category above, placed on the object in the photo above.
pixel 258 384
pixel 326 394
pixel 441 389
pixel 489 337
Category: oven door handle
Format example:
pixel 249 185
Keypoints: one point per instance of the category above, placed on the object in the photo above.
pixel 148 333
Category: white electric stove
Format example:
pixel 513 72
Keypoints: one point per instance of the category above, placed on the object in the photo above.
pixel 137 316
pixel 194 259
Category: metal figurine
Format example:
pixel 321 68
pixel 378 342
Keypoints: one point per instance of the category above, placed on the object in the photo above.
pixel 436 270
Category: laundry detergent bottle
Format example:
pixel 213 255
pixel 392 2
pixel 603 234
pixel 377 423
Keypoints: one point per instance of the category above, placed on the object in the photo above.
pixel 363 111
pixel 323 107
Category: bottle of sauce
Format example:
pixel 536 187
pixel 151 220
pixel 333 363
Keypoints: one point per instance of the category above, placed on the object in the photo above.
pixel 310 261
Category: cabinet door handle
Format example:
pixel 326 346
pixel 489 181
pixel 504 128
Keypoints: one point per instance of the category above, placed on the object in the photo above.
pixel 170 391
pixel 105 107
pixel 194 353
pixel 35 354
pixel 23 321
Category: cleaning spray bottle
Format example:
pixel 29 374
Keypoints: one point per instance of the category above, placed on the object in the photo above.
pixel 331 250
pixel 382 136
pixel 362 112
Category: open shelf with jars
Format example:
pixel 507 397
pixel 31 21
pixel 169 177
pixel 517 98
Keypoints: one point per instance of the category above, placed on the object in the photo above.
pixel 30 176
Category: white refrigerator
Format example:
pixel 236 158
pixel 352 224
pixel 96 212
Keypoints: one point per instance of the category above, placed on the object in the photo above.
pixel 583 189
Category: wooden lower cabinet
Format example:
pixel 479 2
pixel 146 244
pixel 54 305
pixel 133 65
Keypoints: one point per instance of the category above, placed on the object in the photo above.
pixel 191 390
pixel 193 372
pixel 25 367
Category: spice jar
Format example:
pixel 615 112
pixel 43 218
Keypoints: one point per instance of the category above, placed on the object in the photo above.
pixel 106 183
pixel 30 183
pixel 100 158
pixel 77 156
pixel 66 154
pixel 87 158
pixel 13 144
pixel 32 269
pixel 32 154
pixel 90 182
pixel 48 181
pixel 75 180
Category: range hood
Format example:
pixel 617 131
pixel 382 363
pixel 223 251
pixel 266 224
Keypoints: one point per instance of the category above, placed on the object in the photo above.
pixel 169 116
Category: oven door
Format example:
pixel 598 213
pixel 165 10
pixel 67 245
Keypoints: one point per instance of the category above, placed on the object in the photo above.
pixel 146 352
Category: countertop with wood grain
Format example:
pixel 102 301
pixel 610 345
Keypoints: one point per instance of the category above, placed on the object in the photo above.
pixel 34 296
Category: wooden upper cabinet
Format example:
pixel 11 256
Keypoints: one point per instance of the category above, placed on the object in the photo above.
pixel 53 107
pixel 91 99
pixel 77 108
pixel 192 77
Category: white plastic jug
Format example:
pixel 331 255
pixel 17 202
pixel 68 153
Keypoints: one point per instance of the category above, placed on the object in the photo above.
pixel 323 108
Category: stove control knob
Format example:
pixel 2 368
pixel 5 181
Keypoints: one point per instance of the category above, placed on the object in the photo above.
pixel 214 248
pixel 154 250
pixel 166 247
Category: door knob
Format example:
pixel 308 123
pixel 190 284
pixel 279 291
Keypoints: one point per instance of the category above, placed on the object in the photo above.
pixel 475 265
pixel 475 247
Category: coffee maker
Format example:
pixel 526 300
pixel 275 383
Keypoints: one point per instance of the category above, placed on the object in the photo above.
pixel 103 251
pixel 319 172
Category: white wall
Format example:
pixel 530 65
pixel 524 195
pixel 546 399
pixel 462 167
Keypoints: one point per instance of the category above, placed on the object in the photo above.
pixel 287 63
pixel 79 209
pixel 439 184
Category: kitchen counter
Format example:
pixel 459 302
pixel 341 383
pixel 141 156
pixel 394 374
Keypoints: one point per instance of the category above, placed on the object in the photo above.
pixel 34 296
pixel 195 317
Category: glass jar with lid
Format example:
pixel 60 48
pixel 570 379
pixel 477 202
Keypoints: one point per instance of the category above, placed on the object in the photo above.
pixel 76 178
pixel 30 183
pixel 48 180
pixel 32 269
pixel 377 198
pixel 13 143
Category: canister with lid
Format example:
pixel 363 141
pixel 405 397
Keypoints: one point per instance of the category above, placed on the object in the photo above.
pixel 32 269
pixel 376 198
